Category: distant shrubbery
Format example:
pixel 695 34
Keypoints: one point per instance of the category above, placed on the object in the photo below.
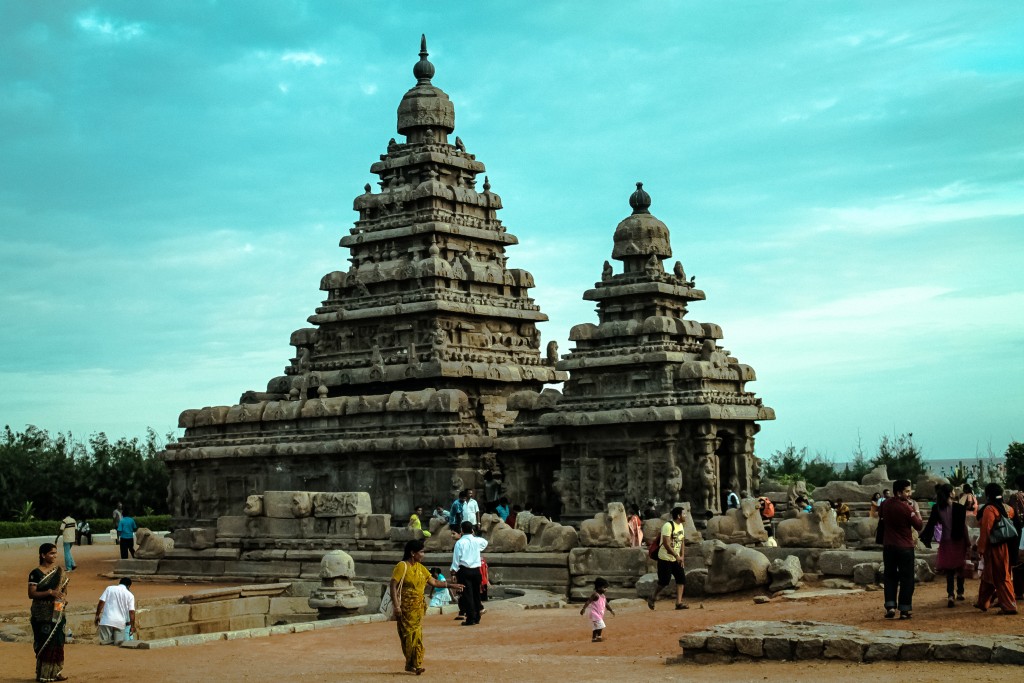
pixel 899 454
pixel 48 477
pixel 98 526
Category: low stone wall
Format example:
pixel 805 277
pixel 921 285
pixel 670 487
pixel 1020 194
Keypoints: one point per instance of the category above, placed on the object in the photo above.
pixel 789 640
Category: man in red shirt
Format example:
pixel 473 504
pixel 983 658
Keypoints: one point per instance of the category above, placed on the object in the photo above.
pixel 898 516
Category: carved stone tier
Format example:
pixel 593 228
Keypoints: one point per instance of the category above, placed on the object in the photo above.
pixel 654 408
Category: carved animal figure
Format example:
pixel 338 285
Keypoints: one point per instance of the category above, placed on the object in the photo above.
pixel 742 525
pixel 733 567
pixel 151 546
pixel 550 537
pixel 501 538
pixel 606 529
pixel 814 529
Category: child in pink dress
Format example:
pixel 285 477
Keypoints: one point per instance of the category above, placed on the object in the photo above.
pixel 595 606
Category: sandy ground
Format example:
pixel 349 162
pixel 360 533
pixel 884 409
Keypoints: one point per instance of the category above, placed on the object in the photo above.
pixel 534 645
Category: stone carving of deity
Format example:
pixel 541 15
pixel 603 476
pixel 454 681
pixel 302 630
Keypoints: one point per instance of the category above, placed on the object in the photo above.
pixel 708 482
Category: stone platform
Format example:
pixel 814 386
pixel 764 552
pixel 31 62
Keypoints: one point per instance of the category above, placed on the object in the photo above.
pixel 789 640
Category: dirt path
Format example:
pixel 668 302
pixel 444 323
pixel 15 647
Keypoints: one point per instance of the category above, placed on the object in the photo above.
pixel 548 646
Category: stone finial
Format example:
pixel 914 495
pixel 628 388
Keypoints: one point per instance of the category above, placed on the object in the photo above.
pixel 487 184
pixel 423 70
pixel 367 189
pixel 640 200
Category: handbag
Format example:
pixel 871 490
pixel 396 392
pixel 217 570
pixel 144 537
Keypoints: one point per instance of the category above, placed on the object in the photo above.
pixel 387 606
pixel 1003 531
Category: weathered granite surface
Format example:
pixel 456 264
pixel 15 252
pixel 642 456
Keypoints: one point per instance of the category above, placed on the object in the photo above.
pixel 820 640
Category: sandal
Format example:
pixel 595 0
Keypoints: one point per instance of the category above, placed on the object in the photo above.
pixel 977 606
pixel 596 639
pixel 680 605
pixel 650 603
pixel 890 613
pixel 905 615
pixel 949 602
pixel 960 596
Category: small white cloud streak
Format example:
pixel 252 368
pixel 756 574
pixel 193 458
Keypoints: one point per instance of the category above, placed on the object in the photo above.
pixel 303 58
pixel 109 28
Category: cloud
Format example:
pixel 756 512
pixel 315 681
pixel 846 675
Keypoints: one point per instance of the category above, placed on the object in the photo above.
pixel 109 28
pixel 303 58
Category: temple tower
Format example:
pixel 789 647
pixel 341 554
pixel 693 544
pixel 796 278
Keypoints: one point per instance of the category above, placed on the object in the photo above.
pixel 654 408
pixel 401 385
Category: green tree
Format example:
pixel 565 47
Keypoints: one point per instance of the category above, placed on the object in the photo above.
pixel 859 466
pixel 791 464
pixel 901 457
pixel 1014 462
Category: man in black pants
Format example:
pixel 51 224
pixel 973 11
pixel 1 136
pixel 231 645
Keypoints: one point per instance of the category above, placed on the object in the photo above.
pixel 466 566
pixel 897 517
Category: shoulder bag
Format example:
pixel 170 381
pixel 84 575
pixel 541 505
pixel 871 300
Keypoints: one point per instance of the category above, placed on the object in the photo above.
pixel 387 607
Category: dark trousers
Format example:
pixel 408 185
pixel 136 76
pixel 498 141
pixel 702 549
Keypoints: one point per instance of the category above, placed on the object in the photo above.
pixel 1018 581
pixel 898 578
pixel 469 601
pixel 127 546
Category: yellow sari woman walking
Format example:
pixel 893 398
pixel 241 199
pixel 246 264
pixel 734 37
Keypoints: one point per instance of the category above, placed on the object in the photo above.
pixel 408 585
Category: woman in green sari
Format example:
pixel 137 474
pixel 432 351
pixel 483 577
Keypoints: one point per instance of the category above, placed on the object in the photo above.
pixel 47 588
pixel 408 585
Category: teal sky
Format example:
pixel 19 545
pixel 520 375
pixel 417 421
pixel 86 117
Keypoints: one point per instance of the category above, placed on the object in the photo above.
pixel 845 180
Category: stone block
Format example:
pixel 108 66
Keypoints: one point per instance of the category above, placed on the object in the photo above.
pixel 711 658
pixel 879 652
pixel 401 534
pixel 183 567
pixel 247 621
pixel 777 648
pixel 213 626
pixel 263 555
pixel 975 650
pixel 693 641
pixel 274 527
pixel 274 569
pixel 377 526
pixel 223 609
pixel 232 526
pixel 135 567
pixel 844 648
pixel 607 561
pixel 842 562
pixel 808 648
pixel 750 646
pixel 164 615
pixel 169 631
pixel 290 606
pixel 912 652
pixel 865 573
pixel 341 504
pixel 198 639
pixel 201 537
pixel 237 635
pixel 287 504
pixel 314 527
pixel 1008 654
pixel 720 644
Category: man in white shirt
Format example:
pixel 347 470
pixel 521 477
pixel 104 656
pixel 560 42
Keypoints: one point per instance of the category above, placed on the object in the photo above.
pixel 68 525
pixel 115 613
pixel 471 509
pixel 466 566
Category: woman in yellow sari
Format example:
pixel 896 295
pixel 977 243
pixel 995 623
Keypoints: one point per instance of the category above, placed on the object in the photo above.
pixel 408 585
pixel 47 588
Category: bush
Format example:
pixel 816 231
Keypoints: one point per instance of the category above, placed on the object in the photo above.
pixel 98 526
pixel 1014 463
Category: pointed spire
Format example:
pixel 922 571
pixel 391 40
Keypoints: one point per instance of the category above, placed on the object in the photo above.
pixel 487 184
pixel 640 200
pixel 424 70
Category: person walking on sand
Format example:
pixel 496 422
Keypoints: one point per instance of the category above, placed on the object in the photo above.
pixel 409 580
pixel 466 562
pixel 996 584
pixel 947 524
pixel 68 526
pixel 126 529
pixel 670 558
pixel 898 517
pixel 115 613
pixel 595 607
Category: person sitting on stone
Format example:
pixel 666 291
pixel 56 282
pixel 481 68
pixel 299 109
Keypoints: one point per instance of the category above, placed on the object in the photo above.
pixel 514 515
pixel 523 520
pixel 732 501
pixel 842 511
pixel 635 527
pixel 502 509
pixel 440 514
pixel 83 533
pixel 802 504
pixel 416 523
pixel 875 501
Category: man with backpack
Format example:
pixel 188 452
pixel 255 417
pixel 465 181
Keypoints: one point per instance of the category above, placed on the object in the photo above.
pixel 670 557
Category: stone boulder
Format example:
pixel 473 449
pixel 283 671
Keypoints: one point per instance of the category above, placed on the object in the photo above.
pixel 551 537
pixel 849 491
pixel 254 506
pixel 924 489
pixel 866 573
pixel 606 529
pixel 733 568
pixel 860 531
pixel 785 573
pixel 814 529
pixel 742 525
pixel 151 546
pixel 878 477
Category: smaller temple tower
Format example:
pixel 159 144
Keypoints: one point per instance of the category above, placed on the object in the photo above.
pixel 654 408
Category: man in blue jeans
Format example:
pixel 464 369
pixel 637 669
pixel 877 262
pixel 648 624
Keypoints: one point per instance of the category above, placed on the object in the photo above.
pixel 898 516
